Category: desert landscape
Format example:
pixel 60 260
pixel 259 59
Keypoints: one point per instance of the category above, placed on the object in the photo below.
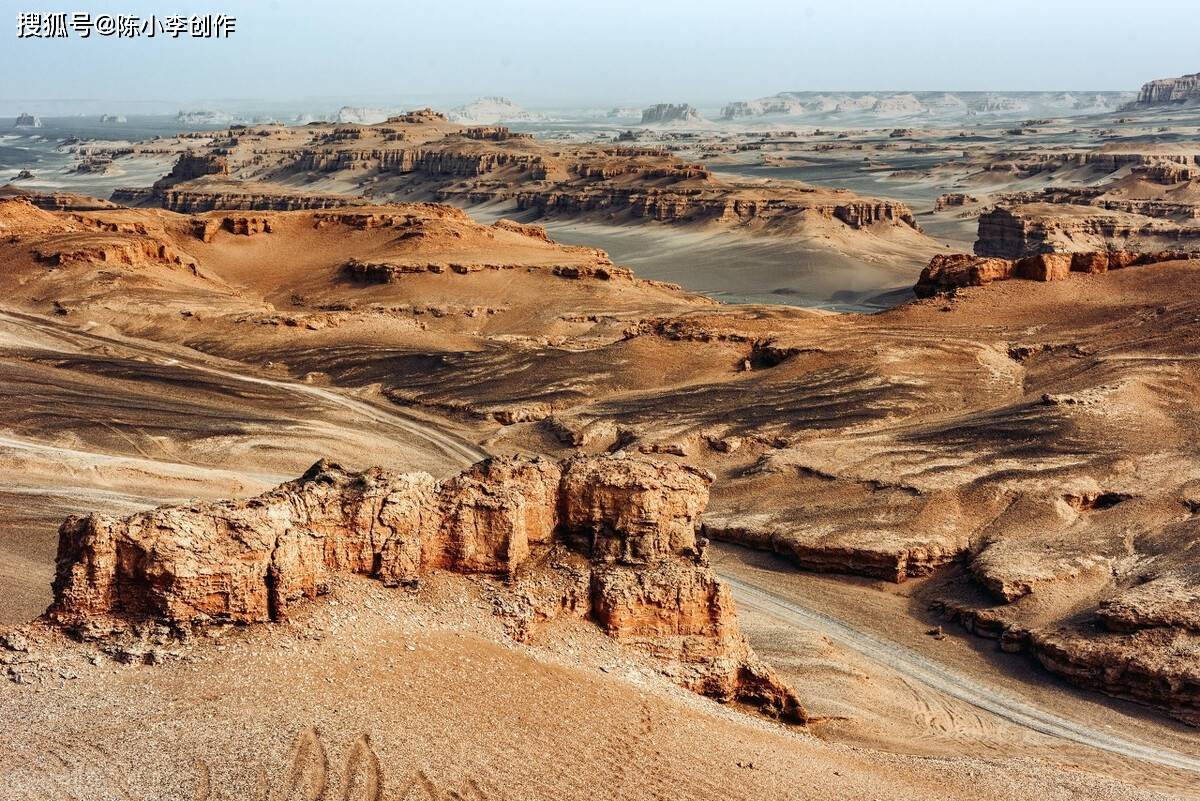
pixel 817 444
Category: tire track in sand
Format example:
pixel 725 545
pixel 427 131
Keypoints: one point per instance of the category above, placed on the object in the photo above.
pixel 458 449
pixel 916 667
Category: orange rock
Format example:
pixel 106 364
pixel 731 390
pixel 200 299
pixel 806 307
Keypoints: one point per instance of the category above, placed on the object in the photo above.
pixel 632 520
pixel 1044 267
pixel 1089 262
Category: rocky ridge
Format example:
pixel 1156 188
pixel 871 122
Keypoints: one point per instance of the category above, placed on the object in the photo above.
pixel 424 153
pixel 1167 91
pixel 1029 229
pixel 946 273
pixel 617 533
pixel 661 113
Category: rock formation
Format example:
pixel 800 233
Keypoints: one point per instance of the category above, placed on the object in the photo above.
pixel 489 110
pixel 1027 229
pixel 1170 91
pixel 952 271
pixel 251 169
pixel 953 199
pixel 670 112
pixel 631 524
pixel 27 121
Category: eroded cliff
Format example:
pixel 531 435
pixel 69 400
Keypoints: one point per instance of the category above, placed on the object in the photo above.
pixel 626 527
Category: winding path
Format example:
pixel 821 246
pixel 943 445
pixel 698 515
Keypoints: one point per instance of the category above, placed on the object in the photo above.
pixel 914 666
pixel 457 449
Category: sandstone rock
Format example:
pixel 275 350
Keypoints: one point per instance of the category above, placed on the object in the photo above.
pixel 1166 601
pixel 1170 91
pixel 954 270
pixel 1156 666
pixel 535 231
pixel 492 514
pixel 953 199
pixel 634 511
pixel 639 570
pixel 1044 267
pixel 1021 230
pixel 1089 262
pixel 947 272
pixel 670 112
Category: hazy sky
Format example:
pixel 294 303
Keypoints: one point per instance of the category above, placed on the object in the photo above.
pixel 605 52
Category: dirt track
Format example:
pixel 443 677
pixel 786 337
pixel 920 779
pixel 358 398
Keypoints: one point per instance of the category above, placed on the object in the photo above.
pixel 915 666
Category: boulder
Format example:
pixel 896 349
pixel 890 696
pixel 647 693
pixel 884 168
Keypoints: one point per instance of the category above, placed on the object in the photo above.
pixel 1044 267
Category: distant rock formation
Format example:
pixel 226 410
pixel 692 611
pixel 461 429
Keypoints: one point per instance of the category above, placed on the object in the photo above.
pixel 113 119
pixel 491 110
pixel 1170 91
pixel 361 115
pixel 951 199
pixel 27 121
pixel 670 112
pixel 902 105
pixel 608 538
pixel 621 113
pixel 204 117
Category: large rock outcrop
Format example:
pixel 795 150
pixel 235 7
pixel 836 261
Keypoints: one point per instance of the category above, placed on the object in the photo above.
pixel 670 112
pixel 1012 232
pixel 630 522
pixel 948 272
pixel 1169 91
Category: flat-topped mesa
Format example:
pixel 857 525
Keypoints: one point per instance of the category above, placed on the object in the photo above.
pixel 1011 232
pixel 391 272
pixel 440 161
pixel 952 199
pixel 716 205
pixel 632 523
pixel 194 201
pixel 670 112
pixel 1169 91
pixel 190 166
pixel 261 169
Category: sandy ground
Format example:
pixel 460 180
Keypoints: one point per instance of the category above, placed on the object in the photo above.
pixel 377 693
pixel 861 652
pixel 98 422
pixel 385 695
pixel 824 269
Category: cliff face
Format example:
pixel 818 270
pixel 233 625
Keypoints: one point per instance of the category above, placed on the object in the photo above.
pixel 631 523
pixel 1183 89
pixel 700 204
pixel 431 161
pixel 946 273
pixel 195 201
pixel 670 112
pixel 1029 229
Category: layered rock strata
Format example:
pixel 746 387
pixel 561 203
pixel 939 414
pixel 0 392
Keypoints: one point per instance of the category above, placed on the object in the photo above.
pixel 946 273
pixel 1029 229
pixel 1155 664
pixel 630 522
pixel 1169 91
pixel 670 112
